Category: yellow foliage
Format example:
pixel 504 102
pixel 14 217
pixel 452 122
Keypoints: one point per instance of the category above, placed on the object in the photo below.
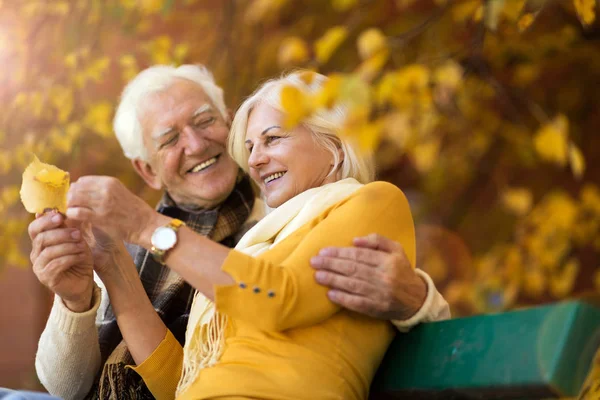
pixel 44 186
pixel 551 140
pixel 561 282
pixel 525 21
pixel 576 161
pixel 426 154
pixel 343 5
pixel 129 67
pixel 371 67
pixel 534 282
pixel 465 10
pixel 327 44
pixel 296 105
pixel 327 96
pixel 99 118
pixel 512 9
pixel 371 42
pixel 62 99
pixel 405 88
pixel 448 75
pixel 586 10
pixel 10 195
pixel 159 49
pixel 355 92
pixel 524 74
pixel 293 51
pixel 517 200
pixel 262 9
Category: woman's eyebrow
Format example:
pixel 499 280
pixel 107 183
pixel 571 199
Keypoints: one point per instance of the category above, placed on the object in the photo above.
pixel 263 132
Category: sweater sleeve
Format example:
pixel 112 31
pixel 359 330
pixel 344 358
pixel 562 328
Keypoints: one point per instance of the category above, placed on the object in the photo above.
pixel 279 296
pixel 162 369
pixel 68 356
pixel 434 308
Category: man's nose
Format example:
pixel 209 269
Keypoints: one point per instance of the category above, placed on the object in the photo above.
pixel 194 142
pixel 257 157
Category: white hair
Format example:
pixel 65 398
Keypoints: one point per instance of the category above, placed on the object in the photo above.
pixel 127 123
pixel 325 125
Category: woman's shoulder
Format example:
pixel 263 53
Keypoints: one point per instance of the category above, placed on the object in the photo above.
pixel 380 191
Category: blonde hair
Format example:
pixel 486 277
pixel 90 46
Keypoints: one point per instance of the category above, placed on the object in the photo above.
pixel 324 124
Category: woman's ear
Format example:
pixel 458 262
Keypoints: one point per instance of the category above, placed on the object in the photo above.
pixel 146 171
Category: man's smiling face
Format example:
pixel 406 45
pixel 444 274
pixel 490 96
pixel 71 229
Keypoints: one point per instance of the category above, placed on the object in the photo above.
pixel 186 136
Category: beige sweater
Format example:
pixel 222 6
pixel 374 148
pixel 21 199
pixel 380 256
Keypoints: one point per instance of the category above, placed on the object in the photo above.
pixel 68 357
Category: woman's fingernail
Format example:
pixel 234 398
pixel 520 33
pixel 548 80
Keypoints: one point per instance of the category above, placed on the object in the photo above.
pixel 320 276
pixel 75 234
pixel 56 218
pixel 81 245
pixel 316 261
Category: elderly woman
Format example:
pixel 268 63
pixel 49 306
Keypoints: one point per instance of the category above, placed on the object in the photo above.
pixel 260 327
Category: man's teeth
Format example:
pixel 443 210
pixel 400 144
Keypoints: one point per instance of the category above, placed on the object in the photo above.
pixel 204 165
pixel 273 177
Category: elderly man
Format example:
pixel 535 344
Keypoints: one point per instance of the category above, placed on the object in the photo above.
pixel 173 124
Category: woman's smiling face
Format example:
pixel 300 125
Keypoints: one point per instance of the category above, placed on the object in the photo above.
pixel 284 163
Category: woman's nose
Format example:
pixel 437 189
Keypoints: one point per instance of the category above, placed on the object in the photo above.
pixel 257 157
pixel 194 142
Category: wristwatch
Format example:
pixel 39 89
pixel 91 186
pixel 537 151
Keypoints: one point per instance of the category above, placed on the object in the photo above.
pixel 164 239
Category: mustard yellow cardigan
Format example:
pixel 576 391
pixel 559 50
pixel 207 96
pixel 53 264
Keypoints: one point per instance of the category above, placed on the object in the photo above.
pixel 285 339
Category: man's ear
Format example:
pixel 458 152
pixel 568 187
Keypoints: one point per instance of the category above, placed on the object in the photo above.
pixel 147 173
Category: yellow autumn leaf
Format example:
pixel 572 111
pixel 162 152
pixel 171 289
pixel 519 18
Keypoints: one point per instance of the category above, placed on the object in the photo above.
pixel 426 154
pixel 586 10
pixel 62 99
pixel 534 282
pixel 99 118
pixel 517 200
pixel 561 283
pixel 44 187
pixel 293 51
pixel 550 141
pixel 371 67
pixel 576 161
pixel 296 105
pixel 343 5
pixel 525 21
pixel 371 42
pixel 327 44
pixel 448 75
pixel 328 94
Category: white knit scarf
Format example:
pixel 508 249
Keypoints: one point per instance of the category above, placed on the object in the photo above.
pixel 205 334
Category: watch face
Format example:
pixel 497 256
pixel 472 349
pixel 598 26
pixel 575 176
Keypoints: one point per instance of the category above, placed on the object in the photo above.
pixel 164 238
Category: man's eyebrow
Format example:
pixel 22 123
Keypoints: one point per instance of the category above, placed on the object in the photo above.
pixel 200 110
pixel 263 132
pixel 163 133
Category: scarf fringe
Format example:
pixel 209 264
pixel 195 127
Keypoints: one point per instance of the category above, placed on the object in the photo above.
pixel 204 344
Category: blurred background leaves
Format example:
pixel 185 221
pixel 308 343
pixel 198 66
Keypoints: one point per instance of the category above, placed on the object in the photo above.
pixel 483 112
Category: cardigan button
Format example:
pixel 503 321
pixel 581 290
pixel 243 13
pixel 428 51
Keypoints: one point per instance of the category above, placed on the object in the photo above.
pixel 242 285
pixel 256 289
pixel 271 293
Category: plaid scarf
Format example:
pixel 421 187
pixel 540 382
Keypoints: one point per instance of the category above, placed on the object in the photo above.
pixel 171 296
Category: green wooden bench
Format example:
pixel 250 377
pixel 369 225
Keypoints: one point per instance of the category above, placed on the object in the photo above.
pixel 536 353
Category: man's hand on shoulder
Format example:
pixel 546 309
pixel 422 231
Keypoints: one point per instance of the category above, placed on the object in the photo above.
pixel 374 278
